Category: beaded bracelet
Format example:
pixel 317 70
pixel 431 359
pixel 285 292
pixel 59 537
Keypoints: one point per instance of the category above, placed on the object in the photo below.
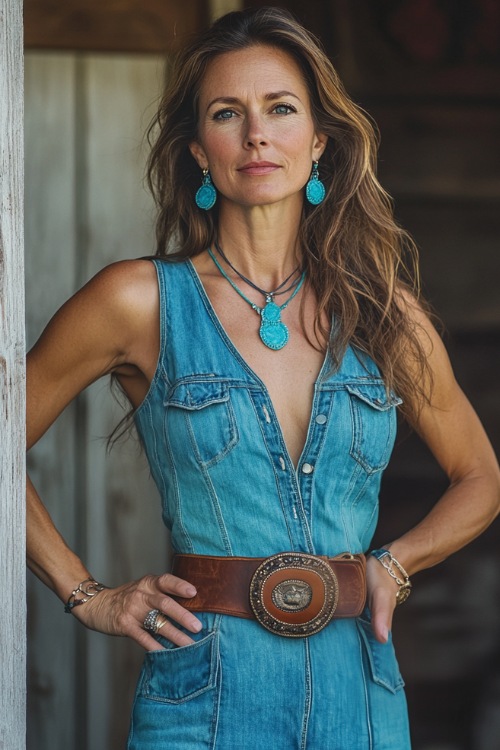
pixel 88 588
pixel 387 560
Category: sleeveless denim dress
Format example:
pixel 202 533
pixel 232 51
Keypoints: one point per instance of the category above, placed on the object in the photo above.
pixel 229 487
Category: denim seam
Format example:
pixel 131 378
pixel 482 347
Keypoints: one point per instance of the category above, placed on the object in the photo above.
pixel 308 694
pixel 177 515
pixel 218 512
pixel 156 457
pixel 218 684
pixel 365 688
pixel 344 508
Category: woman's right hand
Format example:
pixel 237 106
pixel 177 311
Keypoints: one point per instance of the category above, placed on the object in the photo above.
pixel 121 611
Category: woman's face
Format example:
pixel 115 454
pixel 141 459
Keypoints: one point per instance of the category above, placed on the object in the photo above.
pixel 256 133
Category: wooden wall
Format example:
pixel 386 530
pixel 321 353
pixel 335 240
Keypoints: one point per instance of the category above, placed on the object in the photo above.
pixel 12 376
pixel 86 207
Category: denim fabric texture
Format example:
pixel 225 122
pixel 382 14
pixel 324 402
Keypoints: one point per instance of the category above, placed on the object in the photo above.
pixel 229 487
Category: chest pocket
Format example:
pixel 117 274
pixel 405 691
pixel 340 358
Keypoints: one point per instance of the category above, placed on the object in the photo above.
pixel 200 412
pixel 374 423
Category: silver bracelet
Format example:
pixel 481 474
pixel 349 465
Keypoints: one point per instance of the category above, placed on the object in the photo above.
pixel 87 589
pixel 389 562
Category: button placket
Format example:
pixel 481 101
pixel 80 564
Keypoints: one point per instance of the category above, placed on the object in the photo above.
pixel 286 477
pixel 319 422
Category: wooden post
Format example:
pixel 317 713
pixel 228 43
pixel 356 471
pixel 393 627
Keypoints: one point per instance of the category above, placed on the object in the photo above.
pixel 12 404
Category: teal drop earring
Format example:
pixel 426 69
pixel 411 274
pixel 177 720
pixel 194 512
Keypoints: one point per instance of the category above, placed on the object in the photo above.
pixel 315 190
pixel 206 195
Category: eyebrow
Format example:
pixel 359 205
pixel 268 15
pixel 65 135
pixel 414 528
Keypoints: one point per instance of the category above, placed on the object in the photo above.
pixel 272 96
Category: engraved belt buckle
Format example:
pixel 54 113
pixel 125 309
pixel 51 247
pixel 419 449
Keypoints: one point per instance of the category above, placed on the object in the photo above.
pixel 294 594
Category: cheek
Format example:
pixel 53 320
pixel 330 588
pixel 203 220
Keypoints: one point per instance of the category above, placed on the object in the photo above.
pixel 218 146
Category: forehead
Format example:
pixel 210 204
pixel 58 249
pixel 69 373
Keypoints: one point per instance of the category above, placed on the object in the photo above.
pixel 257 69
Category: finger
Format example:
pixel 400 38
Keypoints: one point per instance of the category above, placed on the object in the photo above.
pixel 171 633
pixel 177 612
pixel 144 639
pixel 149 643
pixel 170 584
pixel 382 610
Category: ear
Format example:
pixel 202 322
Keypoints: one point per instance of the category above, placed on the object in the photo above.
pixel 319 145
pixel 198 154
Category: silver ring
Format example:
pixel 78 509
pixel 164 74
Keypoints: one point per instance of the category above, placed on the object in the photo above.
pixel 151 623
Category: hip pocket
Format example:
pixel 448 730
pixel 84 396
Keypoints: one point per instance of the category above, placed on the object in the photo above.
pixel 381 657
pixel 177 698
pixel 180 674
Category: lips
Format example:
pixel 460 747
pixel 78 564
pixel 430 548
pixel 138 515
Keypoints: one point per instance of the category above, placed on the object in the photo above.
pixel 258 168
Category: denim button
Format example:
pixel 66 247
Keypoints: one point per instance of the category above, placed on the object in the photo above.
pixel 307 469
pixel 282 463
pixel 320 419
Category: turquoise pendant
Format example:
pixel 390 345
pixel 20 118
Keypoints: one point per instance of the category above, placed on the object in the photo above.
pixel 273 332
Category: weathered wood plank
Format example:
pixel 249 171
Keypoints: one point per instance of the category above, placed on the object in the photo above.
pixel 118 26
pixel 12 402
pixel 50 280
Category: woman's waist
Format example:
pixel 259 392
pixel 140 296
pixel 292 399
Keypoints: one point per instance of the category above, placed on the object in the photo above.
pixel 290 593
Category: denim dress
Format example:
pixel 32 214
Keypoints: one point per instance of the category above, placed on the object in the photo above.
pixel 229 487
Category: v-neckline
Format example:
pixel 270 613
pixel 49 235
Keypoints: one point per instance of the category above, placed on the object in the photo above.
pixel 242 361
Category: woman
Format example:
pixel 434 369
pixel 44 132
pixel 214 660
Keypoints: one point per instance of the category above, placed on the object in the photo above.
pixel 264 360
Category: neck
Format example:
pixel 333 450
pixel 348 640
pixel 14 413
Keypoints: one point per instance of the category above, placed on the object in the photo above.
pixel 261 241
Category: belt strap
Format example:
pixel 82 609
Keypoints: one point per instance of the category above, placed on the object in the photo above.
pixel 223 583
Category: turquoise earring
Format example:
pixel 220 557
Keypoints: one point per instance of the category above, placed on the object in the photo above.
pixel 315 190
pixel 206 195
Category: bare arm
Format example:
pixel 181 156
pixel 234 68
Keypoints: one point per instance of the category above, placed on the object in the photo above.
pixel 111 325
pixel 450 427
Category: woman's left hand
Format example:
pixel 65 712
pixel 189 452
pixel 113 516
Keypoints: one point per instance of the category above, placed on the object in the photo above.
pixel 382 590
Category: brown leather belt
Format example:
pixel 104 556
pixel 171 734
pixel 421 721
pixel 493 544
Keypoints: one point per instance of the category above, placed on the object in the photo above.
pixel 292 593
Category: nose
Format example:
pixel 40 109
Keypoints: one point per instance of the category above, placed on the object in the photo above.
pixel 255 134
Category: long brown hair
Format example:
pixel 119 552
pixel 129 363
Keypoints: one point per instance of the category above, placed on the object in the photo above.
pixel 357 259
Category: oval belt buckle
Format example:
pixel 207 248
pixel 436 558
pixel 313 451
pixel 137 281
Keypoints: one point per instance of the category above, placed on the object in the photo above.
pixel 294 594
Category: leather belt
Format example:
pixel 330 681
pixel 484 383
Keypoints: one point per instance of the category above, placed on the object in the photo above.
pixel 292 594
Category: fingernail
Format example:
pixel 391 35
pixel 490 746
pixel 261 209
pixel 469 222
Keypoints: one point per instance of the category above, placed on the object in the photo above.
pixel 190 591
pixel 384 633
pixel 197 626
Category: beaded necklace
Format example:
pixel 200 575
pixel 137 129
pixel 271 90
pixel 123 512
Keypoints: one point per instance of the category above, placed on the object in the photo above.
pixel 273 332
pixel 276 292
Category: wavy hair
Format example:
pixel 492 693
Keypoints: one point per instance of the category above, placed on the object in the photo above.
pixel 358 261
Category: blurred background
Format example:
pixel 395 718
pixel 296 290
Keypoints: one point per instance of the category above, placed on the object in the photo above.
pixel 428 71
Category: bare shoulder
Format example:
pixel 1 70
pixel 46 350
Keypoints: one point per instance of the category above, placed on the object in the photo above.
pixel 110 325
pixel 127 287
pixel 114 306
